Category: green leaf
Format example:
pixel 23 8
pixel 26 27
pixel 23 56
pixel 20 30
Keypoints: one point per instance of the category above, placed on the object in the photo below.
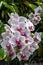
pixel 41 15
pixel 10 7
pixel 2 54
pixel 40 4
pixel 1 27
pixel 32 6
pixel 41 24
pixel 40 51
pixel 15 7
pixel 42 35
pixel 33 56
pixel 1 4
pixel 7 59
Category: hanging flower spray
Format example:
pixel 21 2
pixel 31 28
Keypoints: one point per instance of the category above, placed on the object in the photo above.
pixel 18 40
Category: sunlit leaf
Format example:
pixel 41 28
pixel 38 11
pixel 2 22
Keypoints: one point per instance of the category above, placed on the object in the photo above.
pixel 2 54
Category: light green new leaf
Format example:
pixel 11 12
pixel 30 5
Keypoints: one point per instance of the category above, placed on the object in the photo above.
pixel 2 54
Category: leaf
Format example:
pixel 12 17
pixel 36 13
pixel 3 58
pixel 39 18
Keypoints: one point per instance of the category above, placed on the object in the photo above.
pixel 2 54
pixel 1 4
pixel 33 56
pixel 41 15
pixel 40 51
pixel 32 6
pixel 1 27
pixel 39 4
pixel 15 7
pixel 42 35
pixel 41 24
pixel 10 7
pixel 7 59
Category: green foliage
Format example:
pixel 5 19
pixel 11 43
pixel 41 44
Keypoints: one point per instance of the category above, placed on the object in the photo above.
pixel 2 54
pixel 1 27
pixel 6 9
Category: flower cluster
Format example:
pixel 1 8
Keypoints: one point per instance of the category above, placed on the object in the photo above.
pixel 18 40
pixel 35 17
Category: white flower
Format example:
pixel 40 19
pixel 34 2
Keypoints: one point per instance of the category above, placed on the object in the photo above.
pixel 12 54
pixel 38 10
pixel 32 49
pixel 39 18
pixel 18 43
pixel 17 40
pixel 25 33
pixel 24 55
pixel 13 28
pixel 6 35
pixel 7 28
pixel 15 16
pixel 35 45
pixel 8 49
pixel 22 25
pixel 29 40
pixel 31 16
pixel 22 19
pixel 30 25
pixel 3 44
pixel 14 19
pixel 37 37
pixel 35 21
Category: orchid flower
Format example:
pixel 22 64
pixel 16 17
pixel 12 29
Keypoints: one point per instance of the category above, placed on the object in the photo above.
pixel 17 40
pixel 35 17
pixel 38 10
